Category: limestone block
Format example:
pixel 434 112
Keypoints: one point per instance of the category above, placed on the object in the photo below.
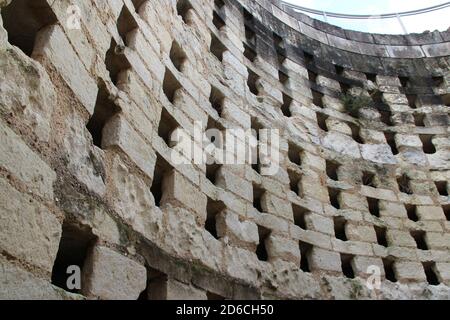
pixel 133 200
pixel 356 232
pixel 437 240
pixel 430 213
pixel 321 259
pixel 400 239
pixel 52 45
pixel 170 289
pixel 18 284
pixel 320 223
pixel 282 248
pixel 108 275
pixel 274 205
pixel 26 91
pixel 361 265
pixel 239 233
pixel 409 271
pixel 342 144
pixel 180 192
pixel 118 132
pixel 378 153
pixel 83 160
pixel 24 163
pixel 28 230
pixel 237 185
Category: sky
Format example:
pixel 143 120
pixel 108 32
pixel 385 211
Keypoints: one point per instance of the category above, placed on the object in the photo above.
pixel 438 20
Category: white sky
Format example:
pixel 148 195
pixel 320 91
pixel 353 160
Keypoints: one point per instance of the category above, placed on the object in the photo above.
pixel 438 20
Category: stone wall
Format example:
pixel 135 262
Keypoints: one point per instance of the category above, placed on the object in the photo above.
pixel 87 177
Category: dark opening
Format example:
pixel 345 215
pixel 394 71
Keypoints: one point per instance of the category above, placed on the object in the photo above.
pixel 284 78
pixel 156 283
pixel 116 62
pixel 371 77
pixel 294 181
pixel 381 236
pixel 404 184
pixel 339 69
pixel 255 156
pixel 125 24
pixel 419 237
pixel 317 98
pixel 167 125
pixel 247 15
pixel 213 208
pixel 137 4
pixel 374 206
pixel 438 81
pixel 286 106
pixel 177 56
pixel 427 141
pixel 294 154
pixel 344 87
pixel 217 47
pixel 305 251
pixel 389 270
pixel 390 139
pixel 419 120
pixel 404 81
pixel 218 21
pixel 183 8
pixel 312 76
pixel 252 82
pixel 219 3
pixel 309 58
pixel 250 35
pixel 347 268
pixel 411 211
pixel 249 53
pixel 257 194
pixel 261 250
pixel 332 170
pixel 23 20
pixel 334 197
pixel 356 133
pixel 430 271
pixel 170 85
pixel 377 97
pixel 339 228
pixel 105 109
pixel 73 247
pixel 300 214
pixel 368 179
pixel 442 187
pixel 446 209
pixel 162 169
pixel 412 100
pixel 216 98
pixel 278 40
pixel 211 172
pixel 322 121
pixel 386 117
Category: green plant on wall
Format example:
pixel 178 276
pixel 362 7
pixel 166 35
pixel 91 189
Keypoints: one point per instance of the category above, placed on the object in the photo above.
pixel 354 103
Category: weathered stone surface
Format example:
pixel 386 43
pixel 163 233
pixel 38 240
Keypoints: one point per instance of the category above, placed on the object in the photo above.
pixel 18 284
pixel 22 162
pixel 29 231
pixel 244 234
pixel 110 275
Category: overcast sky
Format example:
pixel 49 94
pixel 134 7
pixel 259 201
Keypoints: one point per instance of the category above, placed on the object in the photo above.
pixel 431 21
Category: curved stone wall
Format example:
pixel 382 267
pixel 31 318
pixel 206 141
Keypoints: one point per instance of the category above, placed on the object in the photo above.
pixel 92 94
